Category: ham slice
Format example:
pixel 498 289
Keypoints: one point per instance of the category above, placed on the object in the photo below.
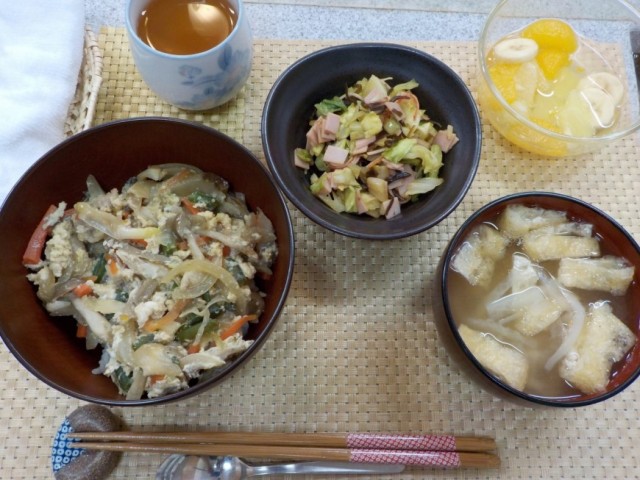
pixel 300 163
pixel 335 156
pixel 331 125
pixel 395 110
pixel 393 208
pixel 312 135
pixel 446 139
pixel 362 144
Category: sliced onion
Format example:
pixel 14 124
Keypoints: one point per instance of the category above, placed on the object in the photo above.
pixel 217 272
pixel 93 187
pixel 235 206
pixel 140 294
pixel 203 285
pixel 141 189
pixel 99 325
pixel 155 359
pixel 205 183
pixel 111 225
pixel 206 317
pixel 232 242
pixel 105 305
pixel 158 172
pixel 152 257
pixel 141 266
pixel 578 315
pixel 62 288
pixel 137 385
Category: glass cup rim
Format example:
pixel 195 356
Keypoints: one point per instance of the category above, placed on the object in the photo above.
pixel 482 65
pixel 133 34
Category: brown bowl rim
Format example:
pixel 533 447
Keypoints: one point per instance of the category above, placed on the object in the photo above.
pixel 222 373
pixel 443 281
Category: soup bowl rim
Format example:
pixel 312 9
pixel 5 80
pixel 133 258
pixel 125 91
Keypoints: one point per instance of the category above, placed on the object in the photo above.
pixel 443 280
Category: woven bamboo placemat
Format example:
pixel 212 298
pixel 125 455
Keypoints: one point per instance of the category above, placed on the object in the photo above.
pixel 356 348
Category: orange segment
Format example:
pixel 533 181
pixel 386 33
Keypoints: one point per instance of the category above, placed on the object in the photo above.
pixel 551 61
pixel 545 124
pixel 537 142
pixel 552 33
pixel 503 77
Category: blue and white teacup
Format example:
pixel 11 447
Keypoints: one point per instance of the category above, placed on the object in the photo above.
pixel 198 81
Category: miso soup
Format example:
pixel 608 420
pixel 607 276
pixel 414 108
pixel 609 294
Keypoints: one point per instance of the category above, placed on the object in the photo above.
pixel 542 302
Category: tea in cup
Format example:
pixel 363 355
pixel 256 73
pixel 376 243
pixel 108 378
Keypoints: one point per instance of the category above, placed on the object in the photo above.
pixel 195 54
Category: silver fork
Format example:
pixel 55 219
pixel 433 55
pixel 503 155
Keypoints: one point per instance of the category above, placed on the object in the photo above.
pixel 181 467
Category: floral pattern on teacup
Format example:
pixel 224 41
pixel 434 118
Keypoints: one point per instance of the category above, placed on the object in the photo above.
pixel 189 72
pixel 234 66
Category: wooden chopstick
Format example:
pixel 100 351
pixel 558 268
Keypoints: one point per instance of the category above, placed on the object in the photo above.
pixel 336 440
pixel 405 457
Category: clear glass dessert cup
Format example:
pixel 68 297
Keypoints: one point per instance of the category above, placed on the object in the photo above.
pixel 603 26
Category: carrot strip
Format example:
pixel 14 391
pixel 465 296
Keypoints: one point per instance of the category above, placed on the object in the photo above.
pixel 113 266
pixel 190 207
pixel 141 243
pixel 33 253
pixel 81 331
pixel 82 290
pixel 202 240
pixel 156 324
pixel 156 378
pixel 193 348
pixel 236 325
pixel 177 178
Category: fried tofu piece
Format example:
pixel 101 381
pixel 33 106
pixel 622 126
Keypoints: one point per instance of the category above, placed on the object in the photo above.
pixel 543 247
pixel 518 220
pixel 607 274
pixel 501 360
pixel 476 257
pixel 604 340
pixel 579 229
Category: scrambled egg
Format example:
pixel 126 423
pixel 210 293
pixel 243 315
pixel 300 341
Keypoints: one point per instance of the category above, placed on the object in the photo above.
pixel 159 274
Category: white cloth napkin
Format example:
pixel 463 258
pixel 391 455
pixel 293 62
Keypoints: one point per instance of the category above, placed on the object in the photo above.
pixel 40 56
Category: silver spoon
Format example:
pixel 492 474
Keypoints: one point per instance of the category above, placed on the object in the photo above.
pixel 181 467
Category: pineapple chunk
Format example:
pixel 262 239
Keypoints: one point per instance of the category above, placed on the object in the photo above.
pixel 504 361
pixel 541 247
pixel 603 341
pixel 529 311
pixel 518 220
pixel 476 257
pixel 607 274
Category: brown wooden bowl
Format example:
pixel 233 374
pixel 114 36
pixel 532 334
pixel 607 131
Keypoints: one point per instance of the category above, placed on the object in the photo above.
pixel 617 241
pixel 113 153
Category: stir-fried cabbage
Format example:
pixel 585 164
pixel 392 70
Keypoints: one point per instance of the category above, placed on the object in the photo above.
pixel 373 132
pixel 159 274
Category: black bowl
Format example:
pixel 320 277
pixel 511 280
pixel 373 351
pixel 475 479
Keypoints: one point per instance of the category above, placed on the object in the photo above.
pixel 612 236
pixel 113 153
pixel 326 73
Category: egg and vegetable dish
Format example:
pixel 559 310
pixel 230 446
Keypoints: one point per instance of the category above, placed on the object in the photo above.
pixel 160 274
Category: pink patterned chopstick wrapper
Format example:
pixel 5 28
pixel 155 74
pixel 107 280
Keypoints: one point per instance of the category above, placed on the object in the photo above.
pixel 440 443
pixel 407 457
